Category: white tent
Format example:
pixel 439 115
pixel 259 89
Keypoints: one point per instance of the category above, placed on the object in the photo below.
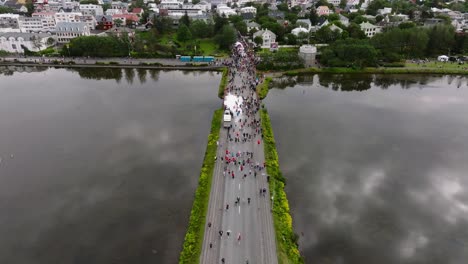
pixel 443 58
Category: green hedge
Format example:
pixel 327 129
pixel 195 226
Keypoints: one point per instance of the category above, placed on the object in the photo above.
pixel 223 83
pixel 263 88
pixel 196 227
pixel 286 239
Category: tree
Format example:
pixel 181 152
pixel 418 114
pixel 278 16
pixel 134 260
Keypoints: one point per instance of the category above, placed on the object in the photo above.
pixel 241 26
pixel 200 29
pixel 350 52
pixel 441 39
pixel 343 4
pixel 226 37
pixel 6 10
pixel 185 20
pixel 50 41
pixel 290 39
pixel 220 22
pixel 106 6
pixel 88 2
pixel 163 24
pixel 313 17
pixel 333 17
pixel 118 22
pixel 326 35
pixel 259 40
pixel 376 5
pixel 354 31
pixel 30 6
pixel 183 33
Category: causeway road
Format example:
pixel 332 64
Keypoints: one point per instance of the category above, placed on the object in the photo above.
pixel 240 232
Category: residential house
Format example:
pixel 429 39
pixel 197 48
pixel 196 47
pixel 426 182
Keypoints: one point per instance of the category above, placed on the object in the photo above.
pixel 344 20
pixel 48 19
pixel 430 22
pixel 119 5
pixel 223 9
pixel 112 11
pixel 334 27
pixel 89 20
pixel 249 9
pixel 170 4
pixel 305 22
pixel 384 11
pixel 91 10
pixel 104 22
pixel 299 30
pixel 369 29
pixel 323 11
pixel 67 31
pixel 138 11
pixel 252 25
pixel 67 17
pixel 9 20
pixel 267 36
pixel 276 14
pixel 127 19
pixel 335 3
pixel 16 42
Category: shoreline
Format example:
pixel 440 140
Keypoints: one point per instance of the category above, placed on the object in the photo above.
pixel 399 70
pixel 116 66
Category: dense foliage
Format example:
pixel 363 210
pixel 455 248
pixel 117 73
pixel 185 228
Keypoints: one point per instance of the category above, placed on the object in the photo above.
pixel 286 239
pixel 94 46
pixel 280 60
pixel 223 83
pixel 350 53
pixel 196 227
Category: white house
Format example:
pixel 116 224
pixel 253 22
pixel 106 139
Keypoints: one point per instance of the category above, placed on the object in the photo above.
pixel 335 3
pixel 369 29
pixel 384 11
pixel 111 12
pixel 252 25
pixel 34 24
pixel 14 42
pixel 334 27
pixel 66 31
pixel 89 20
pixel 224 9
pixel 299 30
pixel 170 4
pixel 9 20
pixel 248 9
pixel 67 17
pixel 267 36
pixel 48 19
pixel 91 10
pixel 344 20
pixel 306 22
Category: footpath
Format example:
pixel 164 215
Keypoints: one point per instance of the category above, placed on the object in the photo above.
pixel 239 219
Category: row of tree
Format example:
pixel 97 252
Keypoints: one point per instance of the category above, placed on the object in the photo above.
pixel 395 45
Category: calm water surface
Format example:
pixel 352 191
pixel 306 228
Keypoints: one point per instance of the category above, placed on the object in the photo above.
pixel 377 167
pixel 100 171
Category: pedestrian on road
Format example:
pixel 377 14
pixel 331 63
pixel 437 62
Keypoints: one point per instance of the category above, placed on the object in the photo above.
pixel 211 245
pixel 248 200
pixel 227 207
pixel 221 233
pixel 209 224
pixel 222 260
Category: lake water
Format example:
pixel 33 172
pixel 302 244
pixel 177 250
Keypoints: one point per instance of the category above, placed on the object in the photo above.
pixel 100 171
pixel 376 166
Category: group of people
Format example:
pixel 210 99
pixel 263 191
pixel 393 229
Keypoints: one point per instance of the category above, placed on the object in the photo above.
pixel 239 159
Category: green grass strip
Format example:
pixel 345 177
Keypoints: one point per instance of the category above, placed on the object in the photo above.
pixel 263 88
pixel 223 83
pixel 286 239
pixel 409 69
pixel 196 228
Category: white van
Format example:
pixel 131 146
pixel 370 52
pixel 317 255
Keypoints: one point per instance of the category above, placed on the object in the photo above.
pixel 227 117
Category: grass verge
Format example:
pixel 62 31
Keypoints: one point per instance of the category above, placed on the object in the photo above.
pixel 263 88
pixel 223 83
pixel 194 237
pixel 407 69
pixel 286 239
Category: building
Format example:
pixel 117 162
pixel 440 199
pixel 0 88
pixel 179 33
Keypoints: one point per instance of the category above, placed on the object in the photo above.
pixel 16 42
pixel 384 11
pixel 308 53
pixel 138 11
pixel 252 26
pixel 35 24
pixel 344 20
pixel 67 17
pixel 89 20
pixel 170 4
pixel 299 30
pixel 248 9
pixel 91 10
pixel 323 11
pixel 9 21
pixel 126 19
pixel 225 10
pixel 430 22
pixel 67 31
pixel 335 3
pixel 104 22
pixel 369 29
pixel 305 22
pixel 267 36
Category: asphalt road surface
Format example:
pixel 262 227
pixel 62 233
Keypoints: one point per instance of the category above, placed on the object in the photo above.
pixel 251 236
